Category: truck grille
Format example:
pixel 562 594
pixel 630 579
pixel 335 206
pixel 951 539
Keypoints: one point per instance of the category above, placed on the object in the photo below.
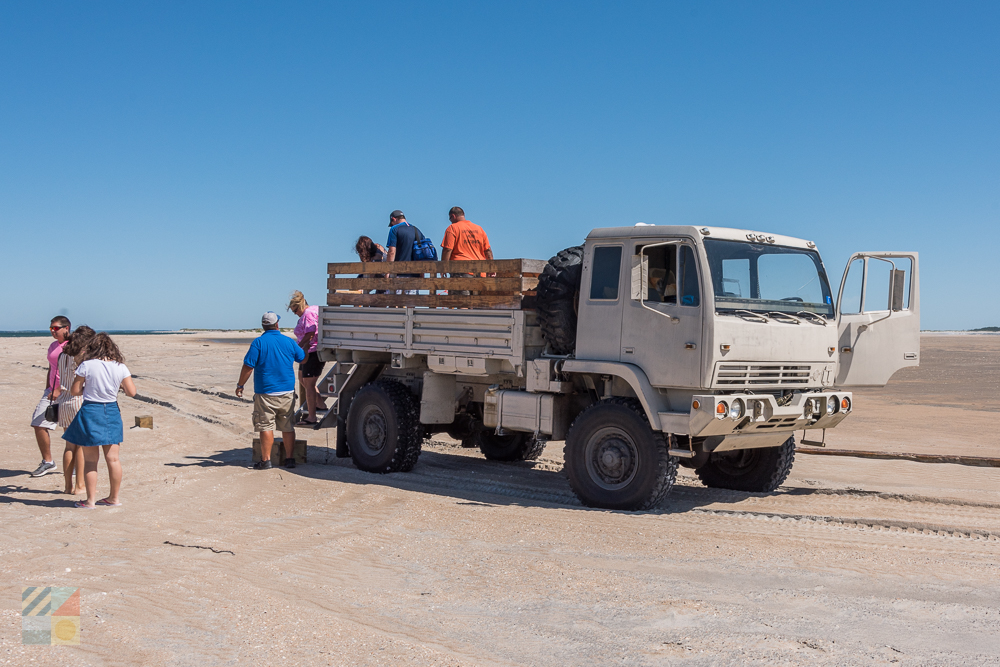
pixel 762 374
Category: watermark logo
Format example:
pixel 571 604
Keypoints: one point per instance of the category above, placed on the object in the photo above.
pixel 50 615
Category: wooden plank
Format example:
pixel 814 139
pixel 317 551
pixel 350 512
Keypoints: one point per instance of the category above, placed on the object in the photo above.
pixel 533 266
pixel 398 283
pixel 981 461
pixel 490 302
pixel 512 266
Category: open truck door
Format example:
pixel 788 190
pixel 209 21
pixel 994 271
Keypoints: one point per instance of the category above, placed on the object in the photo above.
pixel 878 318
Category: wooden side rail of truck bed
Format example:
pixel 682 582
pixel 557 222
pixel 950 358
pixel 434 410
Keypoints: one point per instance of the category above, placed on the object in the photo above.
pixel 500 284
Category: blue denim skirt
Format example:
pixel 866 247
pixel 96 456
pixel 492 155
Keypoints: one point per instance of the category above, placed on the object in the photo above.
pixel 96 424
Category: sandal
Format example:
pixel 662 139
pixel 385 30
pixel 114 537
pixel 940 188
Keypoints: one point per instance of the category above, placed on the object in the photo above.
pixel 103 502
pixel 82 504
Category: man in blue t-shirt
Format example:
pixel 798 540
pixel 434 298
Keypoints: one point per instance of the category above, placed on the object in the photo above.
pixel 270 358
pixel 402 236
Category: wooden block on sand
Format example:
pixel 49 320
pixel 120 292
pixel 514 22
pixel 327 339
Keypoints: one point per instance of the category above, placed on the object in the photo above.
pixel 144 421
pixel 278 451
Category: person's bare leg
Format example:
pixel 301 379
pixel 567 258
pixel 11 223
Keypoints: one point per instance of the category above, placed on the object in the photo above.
pixel 91 456
pixel 311 396
pixel 288 439
pixel 266 440
pixel 78 464
pixel 44 444
pixel 68 455
pixel 114 472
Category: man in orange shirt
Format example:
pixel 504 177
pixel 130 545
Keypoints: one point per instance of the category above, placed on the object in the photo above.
pixel 464 239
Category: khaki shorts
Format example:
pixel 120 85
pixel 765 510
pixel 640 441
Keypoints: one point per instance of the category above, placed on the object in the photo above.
pixel 38 418
pixel 273 413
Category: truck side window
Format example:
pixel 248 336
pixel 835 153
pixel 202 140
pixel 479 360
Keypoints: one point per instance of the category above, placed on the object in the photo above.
pixel 662 287
pixel 606 272
pixel 690 294
pixel 850 298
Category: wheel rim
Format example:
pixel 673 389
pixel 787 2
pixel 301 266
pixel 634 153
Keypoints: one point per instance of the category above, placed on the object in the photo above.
pixel 612 458
pixel 737 462
pixel 374 430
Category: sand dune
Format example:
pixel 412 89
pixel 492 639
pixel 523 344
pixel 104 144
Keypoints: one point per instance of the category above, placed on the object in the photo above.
pixel 469 562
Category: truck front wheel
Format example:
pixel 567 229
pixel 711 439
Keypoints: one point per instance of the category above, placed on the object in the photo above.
pixel 513 446
pixel 614 460
pixel 383 428
pixel 760 470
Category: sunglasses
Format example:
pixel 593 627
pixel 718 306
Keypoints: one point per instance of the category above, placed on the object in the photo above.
pixel 56 328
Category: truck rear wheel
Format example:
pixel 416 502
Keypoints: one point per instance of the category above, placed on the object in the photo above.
pixel 556 298
pixel 614 460
pixel 383 428
pixel 515 446
pixel 760 470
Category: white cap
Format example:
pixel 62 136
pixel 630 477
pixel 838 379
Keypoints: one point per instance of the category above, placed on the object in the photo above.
pixel 269 318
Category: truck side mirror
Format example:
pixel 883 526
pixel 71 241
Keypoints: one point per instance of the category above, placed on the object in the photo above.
pixel 640 277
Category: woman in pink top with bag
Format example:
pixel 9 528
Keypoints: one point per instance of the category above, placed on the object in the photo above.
pixel 310 370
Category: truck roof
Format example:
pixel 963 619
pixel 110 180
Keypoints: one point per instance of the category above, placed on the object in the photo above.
pixel 726 233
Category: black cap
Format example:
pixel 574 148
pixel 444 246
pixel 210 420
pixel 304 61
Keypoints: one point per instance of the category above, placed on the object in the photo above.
pixel 396 215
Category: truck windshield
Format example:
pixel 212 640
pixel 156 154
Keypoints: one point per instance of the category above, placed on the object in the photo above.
pixel 767 278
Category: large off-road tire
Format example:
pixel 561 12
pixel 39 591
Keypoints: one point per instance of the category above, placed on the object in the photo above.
pixel 761 470
pixel 383 428
pixel 614 459
pixel 556 297
pixel 515 446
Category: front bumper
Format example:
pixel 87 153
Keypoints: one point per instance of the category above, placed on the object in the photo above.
pixel 762 415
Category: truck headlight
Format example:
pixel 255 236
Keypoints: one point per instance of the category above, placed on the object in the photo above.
pixel 845 404
pixel 736 409
pixel 808 411
pixel 831 405
pixel 721 410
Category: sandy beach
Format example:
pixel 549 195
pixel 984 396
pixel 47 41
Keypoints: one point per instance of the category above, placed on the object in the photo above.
pixel 469 562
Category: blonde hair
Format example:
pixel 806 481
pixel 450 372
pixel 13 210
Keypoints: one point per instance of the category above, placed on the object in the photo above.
pixel 297 300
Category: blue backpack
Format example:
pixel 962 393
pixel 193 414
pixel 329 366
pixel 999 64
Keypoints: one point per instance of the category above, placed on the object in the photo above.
pixel 424 250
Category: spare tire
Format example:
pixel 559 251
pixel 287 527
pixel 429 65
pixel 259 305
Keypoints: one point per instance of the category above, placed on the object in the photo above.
pixel 556 298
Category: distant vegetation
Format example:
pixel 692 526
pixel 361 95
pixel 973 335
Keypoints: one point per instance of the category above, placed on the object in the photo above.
pixel 990 329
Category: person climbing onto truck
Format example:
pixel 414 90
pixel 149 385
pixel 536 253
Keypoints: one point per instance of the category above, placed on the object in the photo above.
pixel 310 370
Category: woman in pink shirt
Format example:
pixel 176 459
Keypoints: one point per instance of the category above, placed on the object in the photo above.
pixel 59 328
pixel 310 370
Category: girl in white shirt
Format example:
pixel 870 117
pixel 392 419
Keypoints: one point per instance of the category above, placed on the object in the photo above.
pixel 99 421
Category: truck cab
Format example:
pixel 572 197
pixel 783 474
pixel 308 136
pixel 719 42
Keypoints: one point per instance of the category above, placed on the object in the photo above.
pixel 717 309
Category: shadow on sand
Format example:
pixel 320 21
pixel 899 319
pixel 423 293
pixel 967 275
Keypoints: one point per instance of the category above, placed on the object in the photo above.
pixel 60 500
pixel 471 480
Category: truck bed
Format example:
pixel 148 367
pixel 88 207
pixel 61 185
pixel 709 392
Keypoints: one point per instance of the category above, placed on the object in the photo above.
pixel 474 342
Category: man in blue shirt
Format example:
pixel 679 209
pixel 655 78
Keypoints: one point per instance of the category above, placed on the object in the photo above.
pixel 399 245
pixel 270 358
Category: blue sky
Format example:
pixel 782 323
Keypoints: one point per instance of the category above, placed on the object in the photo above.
pixel 167 165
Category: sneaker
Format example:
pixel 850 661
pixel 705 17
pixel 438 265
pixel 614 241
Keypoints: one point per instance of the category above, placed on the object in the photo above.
pixel 290 463
pixel 262 465
pixel 44 468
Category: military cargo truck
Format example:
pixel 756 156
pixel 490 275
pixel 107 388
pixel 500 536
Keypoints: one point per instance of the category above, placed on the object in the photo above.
pixel 645 348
